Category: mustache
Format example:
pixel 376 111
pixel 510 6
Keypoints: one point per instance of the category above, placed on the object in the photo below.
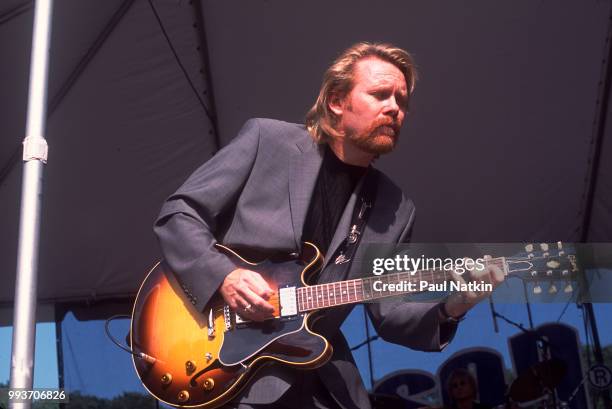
pixel 385 122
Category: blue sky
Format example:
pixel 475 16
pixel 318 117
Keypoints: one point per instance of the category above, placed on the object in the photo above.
pixel 45 369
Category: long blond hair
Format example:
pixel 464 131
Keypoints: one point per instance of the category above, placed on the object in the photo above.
pixel 338 81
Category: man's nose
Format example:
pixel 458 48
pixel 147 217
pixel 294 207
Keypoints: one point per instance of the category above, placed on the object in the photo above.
pixel 392 107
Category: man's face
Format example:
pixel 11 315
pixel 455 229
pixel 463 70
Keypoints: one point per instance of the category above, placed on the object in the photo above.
pixel 372 113
pixel 461 389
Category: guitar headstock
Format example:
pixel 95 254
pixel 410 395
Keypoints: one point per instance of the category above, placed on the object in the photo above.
pixel 546 262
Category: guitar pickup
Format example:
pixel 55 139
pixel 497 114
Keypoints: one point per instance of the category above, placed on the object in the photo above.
pixel 288 301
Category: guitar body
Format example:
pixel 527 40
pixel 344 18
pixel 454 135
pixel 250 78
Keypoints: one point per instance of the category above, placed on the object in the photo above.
pixel 203 359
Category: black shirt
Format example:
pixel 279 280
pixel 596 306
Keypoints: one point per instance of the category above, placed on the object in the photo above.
pixel 335 183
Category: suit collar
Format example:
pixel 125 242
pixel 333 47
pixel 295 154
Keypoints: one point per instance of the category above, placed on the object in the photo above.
pixel 304 168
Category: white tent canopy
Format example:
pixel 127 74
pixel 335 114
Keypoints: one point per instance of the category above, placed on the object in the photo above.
pixel 498 145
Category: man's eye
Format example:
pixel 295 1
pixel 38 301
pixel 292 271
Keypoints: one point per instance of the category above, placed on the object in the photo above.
pixel 381 94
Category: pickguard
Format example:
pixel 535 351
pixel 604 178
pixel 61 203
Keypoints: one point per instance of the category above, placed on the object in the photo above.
pixel 240 343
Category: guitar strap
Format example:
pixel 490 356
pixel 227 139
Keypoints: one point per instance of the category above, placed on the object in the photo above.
pixel 341 258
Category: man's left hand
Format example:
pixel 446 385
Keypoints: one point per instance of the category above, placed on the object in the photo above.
pixel 460 302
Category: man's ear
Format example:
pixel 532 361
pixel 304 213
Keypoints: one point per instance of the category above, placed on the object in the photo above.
pixel 336 104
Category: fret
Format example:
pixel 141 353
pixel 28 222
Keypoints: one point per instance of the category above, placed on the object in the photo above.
pixel 348 291
pixel 325 294
pixel 359 284
pixel 345 291
pixel 366 287
pixel 321 295
pixel 299 299
pixel 387 292
pixel 329 304
pixel 310 300
pixel 335 290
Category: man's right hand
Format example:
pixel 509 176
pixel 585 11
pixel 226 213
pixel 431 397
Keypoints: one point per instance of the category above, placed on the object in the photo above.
pixel 246 292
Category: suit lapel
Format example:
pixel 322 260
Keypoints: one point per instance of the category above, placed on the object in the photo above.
pixel 304 168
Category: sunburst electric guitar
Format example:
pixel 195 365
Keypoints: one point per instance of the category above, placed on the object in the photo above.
pixel 190 358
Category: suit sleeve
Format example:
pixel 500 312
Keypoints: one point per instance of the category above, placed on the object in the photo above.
pixel 416 325
pixel 188 223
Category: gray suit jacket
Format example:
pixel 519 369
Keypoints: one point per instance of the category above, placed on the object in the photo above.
pixel 255 193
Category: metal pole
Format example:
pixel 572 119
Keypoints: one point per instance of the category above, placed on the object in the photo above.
pixel 369 345
pixel 34 155
pixel 528 305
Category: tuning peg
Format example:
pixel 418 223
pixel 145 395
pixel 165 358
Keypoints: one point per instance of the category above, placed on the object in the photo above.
pixel 572 260
pixel 544 246
pixel 537 289
pixel 552 289
pixel 529 248
pixel 568 288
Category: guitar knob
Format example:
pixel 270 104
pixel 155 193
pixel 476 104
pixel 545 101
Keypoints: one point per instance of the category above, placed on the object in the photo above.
pixel 208 384
pixel 190 366
pixel 166 379
pixel 183 396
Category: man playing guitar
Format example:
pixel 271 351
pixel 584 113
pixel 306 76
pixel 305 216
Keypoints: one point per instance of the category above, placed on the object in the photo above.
pixel 278 185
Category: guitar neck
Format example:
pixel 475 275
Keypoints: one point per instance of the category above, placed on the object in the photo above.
pixel 360 290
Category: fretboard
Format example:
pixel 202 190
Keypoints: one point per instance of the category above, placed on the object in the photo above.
pixel 362 289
